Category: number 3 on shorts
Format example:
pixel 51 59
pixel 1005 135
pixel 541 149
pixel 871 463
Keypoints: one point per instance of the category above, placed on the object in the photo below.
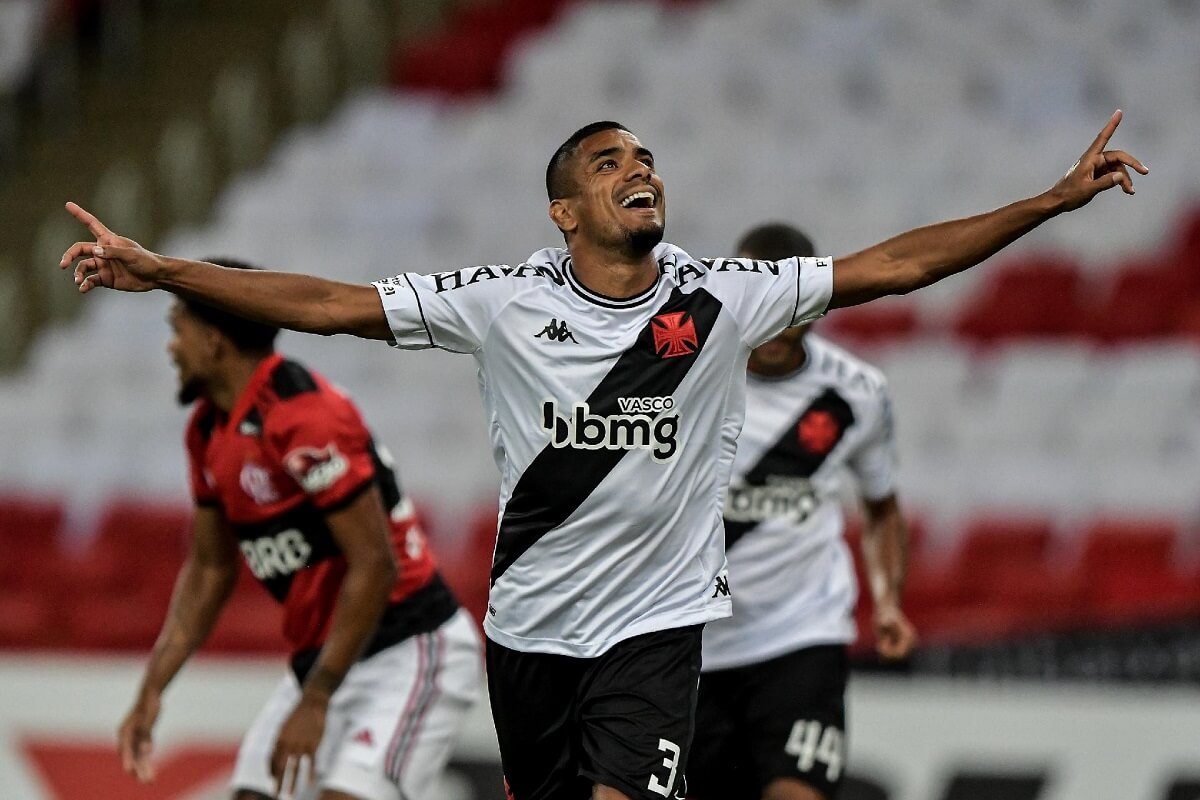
pixel 811 742
pixel 671 762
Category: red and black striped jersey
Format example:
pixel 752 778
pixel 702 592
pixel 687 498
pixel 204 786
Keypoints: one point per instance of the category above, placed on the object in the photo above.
pixel 292 450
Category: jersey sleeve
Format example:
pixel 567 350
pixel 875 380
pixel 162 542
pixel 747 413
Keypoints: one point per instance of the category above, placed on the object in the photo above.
pixel 874 463
pixel 448 310
pixel 768 296
pixel 323 445
pixel 204 493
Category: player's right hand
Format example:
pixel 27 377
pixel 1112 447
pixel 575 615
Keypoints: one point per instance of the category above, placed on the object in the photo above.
pixel 111 261
pixel 134 741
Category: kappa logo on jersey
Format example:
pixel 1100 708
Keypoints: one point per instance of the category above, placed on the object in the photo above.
pixel 256 482
pixel 316 469
pixel 674 334
pixel 781 497
pixel 557 332
pixel 818 431
pixel 281 554
pixel 633 430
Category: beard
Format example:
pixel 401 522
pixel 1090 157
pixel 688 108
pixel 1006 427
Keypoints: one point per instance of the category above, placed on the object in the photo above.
pixel 189 392
pixel 640 242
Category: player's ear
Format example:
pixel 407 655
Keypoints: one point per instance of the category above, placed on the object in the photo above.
pixel 563 216
pixel 215 342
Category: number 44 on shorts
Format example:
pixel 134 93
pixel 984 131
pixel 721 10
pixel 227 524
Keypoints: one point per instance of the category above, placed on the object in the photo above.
pixel 811 742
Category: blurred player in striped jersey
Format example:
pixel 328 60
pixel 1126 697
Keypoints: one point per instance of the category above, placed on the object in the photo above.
pixel 771 716
pixel 283 471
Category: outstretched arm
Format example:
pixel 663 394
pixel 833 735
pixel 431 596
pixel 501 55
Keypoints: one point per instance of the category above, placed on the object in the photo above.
pixel 926 255
pixel 285 300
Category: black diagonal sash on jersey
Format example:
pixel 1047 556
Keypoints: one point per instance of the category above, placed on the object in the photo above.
pixel 788 457
pixel 559 479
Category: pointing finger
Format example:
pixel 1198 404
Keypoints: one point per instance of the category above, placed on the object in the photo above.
pixel 1102 140
pixel 95 226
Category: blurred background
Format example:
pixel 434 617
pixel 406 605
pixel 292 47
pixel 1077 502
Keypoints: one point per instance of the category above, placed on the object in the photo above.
pixel 1048 403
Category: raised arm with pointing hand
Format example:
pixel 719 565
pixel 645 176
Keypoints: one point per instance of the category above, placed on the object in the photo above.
pixel 315 305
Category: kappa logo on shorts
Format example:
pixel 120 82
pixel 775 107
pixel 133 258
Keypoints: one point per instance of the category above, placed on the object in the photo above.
pixel 364 737
pixel 721 586
pixel 674 334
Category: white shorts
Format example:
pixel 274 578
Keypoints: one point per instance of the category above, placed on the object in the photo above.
pixel 391 724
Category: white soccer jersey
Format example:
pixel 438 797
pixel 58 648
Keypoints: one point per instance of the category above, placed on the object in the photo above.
pixel 790 566
pixel 612 423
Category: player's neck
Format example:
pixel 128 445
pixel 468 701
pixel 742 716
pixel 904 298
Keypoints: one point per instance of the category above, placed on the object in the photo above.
pixel 779 369
pixel 225 389
pixel 612 274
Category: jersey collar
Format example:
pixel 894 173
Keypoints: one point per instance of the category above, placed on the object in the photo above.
pixel 245 401
pixel 604 300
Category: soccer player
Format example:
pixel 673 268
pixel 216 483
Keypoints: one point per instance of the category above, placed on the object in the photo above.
pixel 284 473
pixel 771 717
pixel 612 373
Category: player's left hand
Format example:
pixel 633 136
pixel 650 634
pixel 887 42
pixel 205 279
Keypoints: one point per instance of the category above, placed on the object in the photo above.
pixel 895 636
pixel 1097 170
pixel 293 762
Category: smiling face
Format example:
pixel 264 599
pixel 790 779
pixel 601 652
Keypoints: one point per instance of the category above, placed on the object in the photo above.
pixel 616 199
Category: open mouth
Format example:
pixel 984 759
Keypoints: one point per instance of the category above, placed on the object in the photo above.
pixel 644 199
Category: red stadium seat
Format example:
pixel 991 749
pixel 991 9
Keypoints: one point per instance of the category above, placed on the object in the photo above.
pixel 1040 596
pixel 29 541
pixel 1187 323
pixel 24 518
pixel 115 623
pixel 1131 596
pixel 1037 297
pixel 1128 544
pixel 1128 570
pixel 27 620
pixel 145 529
pixel 1145 301
pixel 867 325
pixel 994 540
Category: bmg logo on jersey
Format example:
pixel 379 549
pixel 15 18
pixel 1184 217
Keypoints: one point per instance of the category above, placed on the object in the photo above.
pixel 643 424
pixel 779 497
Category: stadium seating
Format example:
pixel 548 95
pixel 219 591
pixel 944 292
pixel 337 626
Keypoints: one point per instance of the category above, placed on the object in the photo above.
pixel 1060 384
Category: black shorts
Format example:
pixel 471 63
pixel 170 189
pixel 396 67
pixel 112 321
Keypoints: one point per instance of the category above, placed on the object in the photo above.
pixel 783 718
pixel 623 719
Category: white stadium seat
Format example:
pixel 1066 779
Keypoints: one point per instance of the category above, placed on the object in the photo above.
pixel 855 119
